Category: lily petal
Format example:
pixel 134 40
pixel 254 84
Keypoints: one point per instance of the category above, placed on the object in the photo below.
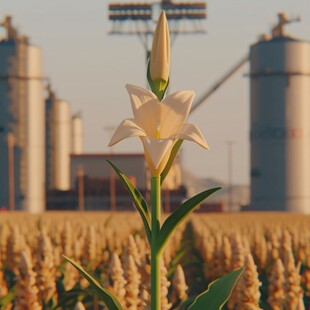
pixel 192 133
pixel 127 128
pixel 138 96
pixel 145 107
pixel 174 111
pixel 156 149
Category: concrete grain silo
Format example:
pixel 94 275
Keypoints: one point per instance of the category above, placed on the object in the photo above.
pixel 35 146
pixel 62 145
pixel 21 117
pixel 64 136
pixel 280 123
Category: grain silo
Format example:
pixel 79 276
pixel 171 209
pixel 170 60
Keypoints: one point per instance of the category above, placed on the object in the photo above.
pixel 62 145
pixel 12 107
pixel 280 122
pixel 35 146
pixel 22 117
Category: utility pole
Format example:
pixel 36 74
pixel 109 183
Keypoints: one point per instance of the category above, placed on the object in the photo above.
pixel 11 143
pixel 80 173
pixel 230 174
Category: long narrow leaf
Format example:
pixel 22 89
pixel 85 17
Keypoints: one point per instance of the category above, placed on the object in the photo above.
pixel 107 297
pixel 173 154
pixel 218 292
pixel 180 214
pixel 138 200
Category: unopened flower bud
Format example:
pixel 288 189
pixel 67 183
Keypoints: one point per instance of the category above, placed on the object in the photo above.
pixel 160 53
pixel 159 65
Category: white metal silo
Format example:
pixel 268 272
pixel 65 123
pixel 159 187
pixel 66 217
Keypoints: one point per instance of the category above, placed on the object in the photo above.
pixel 77 134
pixel 62 145
pixel 35 131
pixel 280 124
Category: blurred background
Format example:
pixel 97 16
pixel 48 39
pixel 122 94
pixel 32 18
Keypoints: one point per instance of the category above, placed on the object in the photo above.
pixel 64 66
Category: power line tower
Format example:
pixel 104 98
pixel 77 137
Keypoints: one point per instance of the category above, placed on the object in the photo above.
pixel 140 18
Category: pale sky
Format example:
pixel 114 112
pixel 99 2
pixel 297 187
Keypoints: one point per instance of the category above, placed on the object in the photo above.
pixel 89 68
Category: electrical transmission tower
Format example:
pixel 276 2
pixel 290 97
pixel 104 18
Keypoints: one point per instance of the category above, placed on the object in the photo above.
pixel 140 18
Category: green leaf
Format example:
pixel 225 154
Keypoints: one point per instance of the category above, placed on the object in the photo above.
pixel 107 297
pixel 180 214
pixel 138 200
pixel 218 292
pixel 173 154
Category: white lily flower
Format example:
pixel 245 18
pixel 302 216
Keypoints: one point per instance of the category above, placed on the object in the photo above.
pixel 159 124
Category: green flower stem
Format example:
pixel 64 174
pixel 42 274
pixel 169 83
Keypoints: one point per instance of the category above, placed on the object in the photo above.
pixel 155 253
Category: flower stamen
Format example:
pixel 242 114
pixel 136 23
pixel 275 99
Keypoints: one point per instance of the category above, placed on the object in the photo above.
pixel 158 132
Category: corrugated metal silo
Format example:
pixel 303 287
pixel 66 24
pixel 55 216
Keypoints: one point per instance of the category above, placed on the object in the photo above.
pixel 62 145
pixel 13 102
pixel 280 124
pixel 77 134
pixel 35 118
pixel 7 52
